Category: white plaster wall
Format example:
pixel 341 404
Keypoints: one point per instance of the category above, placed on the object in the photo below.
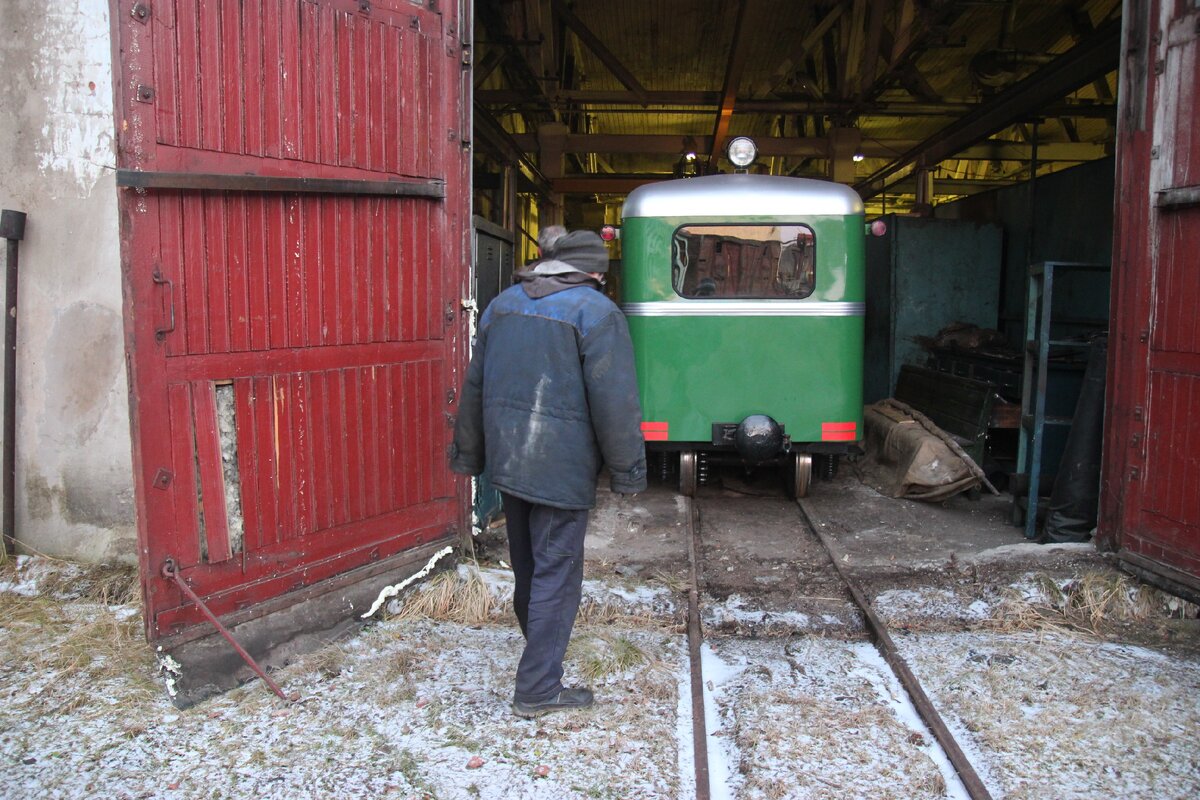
pixel 74 481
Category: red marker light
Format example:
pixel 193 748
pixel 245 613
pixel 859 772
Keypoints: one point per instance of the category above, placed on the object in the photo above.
pixel 878 228
pixel 608 233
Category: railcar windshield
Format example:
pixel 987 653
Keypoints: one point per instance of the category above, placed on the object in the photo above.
pixel 743 261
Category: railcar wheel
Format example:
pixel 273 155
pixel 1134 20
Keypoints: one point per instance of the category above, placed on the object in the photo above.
pixel 799 475
pixel 687 473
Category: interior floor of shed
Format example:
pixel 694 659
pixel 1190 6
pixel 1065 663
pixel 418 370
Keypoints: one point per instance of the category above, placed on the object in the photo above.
pixel 750 513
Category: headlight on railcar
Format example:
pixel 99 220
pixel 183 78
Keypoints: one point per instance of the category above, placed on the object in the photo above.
pixel 741 151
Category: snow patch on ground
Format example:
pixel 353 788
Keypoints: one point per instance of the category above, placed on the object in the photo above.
pixel 877 672
pixel 1065 716
pixel 737 611
pixel 634 599
pixel 723 759
pixel 815 718
pixel 399 711
pixel 29 575
pixel 1032 550
pixel 402 709
pixel 930 602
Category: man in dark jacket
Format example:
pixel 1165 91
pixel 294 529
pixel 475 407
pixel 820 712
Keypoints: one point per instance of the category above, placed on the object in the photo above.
pixel 550 395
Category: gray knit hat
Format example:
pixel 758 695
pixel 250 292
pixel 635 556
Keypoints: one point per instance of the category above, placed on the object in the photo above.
pixel 583 250
pixel 548 237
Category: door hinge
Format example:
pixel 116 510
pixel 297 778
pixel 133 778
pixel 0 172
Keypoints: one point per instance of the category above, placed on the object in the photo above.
pixel 466 56
pixel 159 279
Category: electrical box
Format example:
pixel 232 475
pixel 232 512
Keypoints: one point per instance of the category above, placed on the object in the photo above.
pixel 493 260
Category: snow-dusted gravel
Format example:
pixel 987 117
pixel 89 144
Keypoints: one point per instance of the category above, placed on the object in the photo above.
pixel 420 708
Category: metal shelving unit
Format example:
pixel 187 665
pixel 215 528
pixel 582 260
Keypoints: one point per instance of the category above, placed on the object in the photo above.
pixel 1034 420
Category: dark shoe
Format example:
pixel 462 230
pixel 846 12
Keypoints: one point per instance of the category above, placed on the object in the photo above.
pixel 579 697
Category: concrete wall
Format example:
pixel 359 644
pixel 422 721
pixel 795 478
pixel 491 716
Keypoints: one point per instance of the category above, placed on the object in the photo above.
pixel 74 481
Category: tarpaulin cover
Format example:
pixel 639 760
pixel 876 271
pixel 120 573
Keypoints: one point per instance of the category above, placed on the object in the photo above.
pixel 1074 503
pixel 905 460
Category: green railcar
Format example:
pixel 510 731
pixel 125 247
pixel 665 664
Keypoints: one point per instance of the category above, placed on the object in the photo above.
pixel 745 299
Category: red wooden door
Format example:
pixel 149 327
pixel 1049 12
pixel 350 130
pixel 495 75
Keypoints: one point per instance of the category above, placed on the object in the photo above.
pixel 1151 503
pixel 294 228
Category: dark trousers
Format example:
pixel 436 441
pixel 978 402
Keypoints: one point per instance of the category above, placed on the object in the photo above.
pixel 546 548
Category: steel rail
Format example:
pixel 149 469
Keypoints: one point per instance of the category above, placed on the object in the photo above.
pixel 695 638
pixel 883 640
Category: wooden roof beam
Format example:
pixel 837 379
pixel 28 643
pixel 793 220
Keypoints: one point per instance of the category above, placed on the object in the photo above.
pixel 593 43
pixel 733 76
pixel 913 29
pixel 814 147
pixel 624 184
pixel 662 101
pixel 517 70
pixel 489 132
pixel 796 59
pixel 853 50
pixel 1096 56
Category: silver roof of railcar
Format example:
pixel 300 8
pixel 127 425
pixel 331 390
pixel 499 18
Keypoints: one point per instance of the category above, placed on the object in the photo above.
pixel 741 195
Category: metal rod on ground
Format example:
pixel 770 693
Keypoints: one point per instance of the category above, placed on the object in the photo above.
pixel 954 446
pixel 699 726
pixel 171 572
pixel 971 780
pixel 12 228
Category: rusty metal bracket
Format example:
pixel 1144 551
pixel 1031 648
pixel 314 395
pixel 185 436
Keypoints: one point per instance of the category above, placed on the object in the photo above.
pixel 162 280
pixel 171 572
pixel 1179 197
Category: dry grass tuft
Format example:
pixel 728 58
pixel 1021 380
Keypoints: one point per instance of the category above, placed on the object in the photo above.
pixel 1088 604
pixel 603 654
pixel 328 662
pixel 601 614
pixel 39 636
pixel 109 584
pixel 676 583
pixel 69 630
pixel 450 598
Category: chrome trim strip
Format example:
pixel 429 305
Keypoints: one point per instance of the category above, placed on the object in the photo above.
pixel 735 197
pixel 743 308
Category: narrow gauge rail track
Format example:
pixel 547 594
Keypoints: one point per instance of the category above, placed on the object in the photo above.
pixel 879 633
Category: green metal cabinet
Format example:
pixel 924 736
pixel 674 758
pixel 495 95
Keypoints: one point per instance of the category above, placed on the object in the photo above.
pixel 922 275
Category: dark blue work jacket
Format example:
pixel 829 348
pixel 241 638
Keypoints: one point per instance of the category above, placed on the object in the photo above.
pixel 551 395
